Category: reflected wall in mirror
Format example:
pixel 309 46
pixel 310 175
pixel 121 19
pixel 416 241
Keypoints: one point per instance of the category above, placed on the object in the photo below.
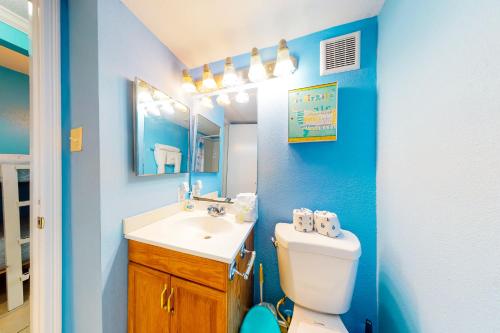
pixel 207 145
pixel 237 142
pixel 240 145
pixel 161 132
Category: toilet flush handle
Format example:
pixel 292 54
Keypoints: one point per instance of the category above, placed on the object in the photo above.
pixel 275 242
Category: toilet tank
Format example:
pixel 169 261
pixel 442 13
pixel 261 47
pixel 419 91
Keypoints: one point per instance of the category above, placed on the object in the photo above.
pixel 316 271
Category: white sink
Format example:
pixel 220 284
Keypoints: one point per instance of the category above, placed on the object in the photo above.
pixel 207 225
pixel 219 238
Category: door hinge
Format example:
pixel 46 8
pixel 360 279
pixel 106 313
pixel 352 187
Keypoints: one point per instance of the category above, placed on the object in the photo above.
pixel 40 222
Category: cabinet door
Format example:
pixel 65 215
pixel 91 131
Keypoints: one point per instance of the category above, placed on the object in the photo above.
pixel 197 308
pixel 148 291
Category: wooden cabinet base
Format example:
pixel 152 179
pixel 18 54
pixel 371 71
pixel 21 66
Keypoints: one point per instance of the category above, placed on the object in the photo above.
pixel 171 291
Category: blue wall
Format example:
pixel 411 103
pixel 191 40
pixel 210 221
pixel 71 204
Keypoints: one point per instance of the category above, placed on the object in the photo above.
pixel 100 189
pixel 14 112
pixel 337 176
pixel 108 48
pixel 438 166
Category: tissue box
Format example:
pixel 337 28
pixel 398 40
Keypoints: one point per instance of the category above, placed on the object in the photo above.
pixel 326 223
pixel 303 220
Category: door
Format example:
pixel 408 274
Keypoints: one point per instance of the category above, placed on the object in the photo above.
pixel 197 308
pixel 242 159
pixel 148 292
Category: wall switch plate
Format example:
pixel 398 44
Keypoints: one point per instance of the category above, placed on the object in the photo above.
pixel 76 139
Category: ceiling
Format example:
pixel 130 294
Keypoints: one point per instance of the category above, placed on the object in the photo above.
pixel 246 113
pixel 13 60
pixel 202 31
pixel 19 7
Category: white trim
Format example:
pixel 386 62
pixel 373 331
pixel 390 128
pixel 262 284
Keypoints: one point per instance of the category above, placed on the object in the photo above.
pixel 9 17
pixel 45 145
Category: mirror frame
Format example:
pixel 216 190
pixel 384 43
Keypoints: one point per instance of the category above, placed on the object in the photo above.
pixel 135 150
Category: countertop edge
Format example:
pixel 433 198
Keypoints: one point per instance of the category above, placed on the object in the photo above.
pixel 226 260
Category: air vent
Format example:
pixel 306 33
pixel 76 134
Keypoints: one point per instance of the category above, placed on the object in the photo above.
pixel 340 54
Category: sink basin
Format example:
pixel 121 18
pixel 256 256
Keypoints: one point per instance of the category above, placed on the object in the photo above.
pixel 207 225
pixel 197 233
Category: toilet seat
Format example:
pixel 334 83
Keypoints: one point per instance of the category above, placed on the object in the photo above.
pixel 308 321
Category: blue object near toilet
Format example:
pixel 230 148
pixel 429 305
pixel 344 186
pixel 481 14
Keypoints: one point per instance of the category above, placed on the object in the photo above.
pixel 260 320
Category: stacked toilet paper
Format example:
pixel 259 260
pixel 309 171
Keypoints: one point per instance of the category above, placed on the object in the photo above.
pixel 303 220
pixel 326 223
pixel 323 222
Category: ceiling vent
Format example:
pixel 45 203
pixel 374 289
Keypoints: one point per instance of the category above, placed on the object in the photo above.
pixel 340 54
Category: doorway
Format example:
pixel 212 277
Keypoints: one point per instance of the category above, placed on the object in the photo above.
pixel 14 167
pixel 30 166
pixel 240 146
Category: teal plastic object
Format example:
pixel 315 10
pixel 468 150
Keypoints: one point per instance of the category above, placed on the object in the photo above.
pixel 260 320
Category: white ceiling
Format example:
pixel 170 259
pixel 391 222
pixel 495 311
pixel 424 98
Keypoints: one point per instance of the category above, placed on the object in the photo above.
pixel 203 31
pixel 246 113
pixel 19 7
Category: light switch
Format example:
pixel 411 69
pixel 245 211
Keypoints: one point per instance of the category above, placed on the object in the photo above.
pixel 76 139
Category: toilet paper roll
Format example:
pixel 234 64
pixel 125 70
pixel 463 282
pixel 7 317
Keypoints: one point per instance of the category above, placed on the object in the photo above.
pixel 326 223
pixel 303 220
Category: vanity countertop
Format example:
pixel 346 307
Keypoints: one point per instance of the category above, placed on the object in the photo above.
pixel 196 233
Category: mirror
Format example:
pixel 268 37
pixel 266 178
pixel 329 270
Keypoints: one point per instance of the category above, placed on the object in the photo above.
pixel 237 143
pixel 207 145
pixel 161 132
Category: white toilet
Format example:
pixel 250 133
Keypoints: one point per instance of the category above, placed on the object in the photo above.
pixel 317 273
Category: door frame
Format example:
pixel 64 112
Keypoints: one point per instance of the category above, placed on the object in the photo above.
pixel 45 185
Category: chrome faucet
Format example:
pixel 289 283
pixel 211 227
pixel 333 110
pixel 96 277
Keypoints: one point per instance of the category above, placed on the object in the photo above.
pixel 216 210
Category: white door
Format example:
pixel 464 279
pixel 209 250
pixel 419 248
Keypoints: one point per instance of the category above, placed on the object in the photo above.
pixel 242 159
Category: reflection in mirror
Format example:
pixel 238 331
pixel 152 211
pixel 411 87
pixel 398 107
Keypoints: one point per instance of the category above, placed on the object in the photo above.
pixel 240 146
pixel 161 132
pixel 207 143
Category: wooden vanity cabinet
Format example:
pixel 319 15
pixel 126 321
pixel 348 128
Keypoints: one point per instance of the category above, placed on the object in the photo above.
pixel 175 292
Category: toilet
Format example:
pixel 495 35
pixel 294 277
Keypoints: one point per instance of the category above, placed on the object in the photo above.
pixel 317 273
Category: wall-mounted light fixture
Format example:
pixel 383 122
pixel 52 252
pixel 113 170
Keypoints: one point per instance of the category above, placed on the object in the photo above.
pixel 230 77
pixel 187 82
pixel 242 97
pixel 223 99
pixel 237 81
pixel 257 71
pixel 207 102
pixel 284 64
pixel 208 82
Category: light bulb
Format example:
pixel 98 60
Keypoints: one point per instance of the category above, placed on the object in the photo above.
pixel 284 64
pixel 166 108
pixel 152 109
pixel 187 82
pixel 207 102
pixel 158 95
pixel 242 97
pixel 223 100
pixel 208 82
pixel 230 78
pixel 144 96
pixel 257 71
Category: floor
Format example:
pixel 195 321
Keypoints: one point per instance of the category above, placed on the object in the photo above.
pixel 17 320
